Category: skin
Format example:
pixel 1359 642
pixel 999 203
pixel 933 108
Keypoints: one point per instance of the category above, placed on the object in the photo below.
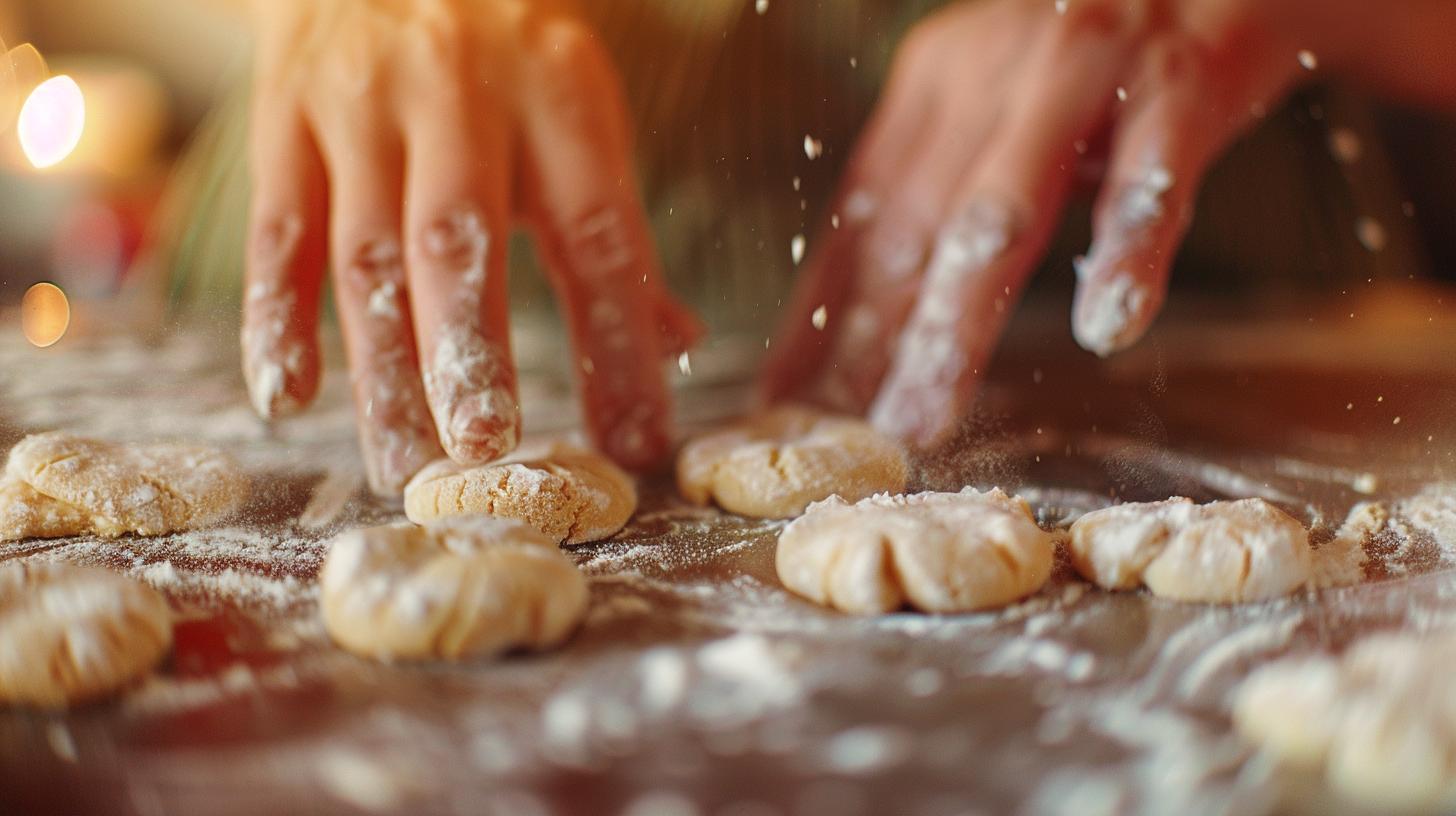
pixel 397 143
pixel 975 148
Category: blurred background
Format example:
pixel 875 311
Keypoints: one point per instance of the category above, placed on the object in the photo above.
pixel 1332 192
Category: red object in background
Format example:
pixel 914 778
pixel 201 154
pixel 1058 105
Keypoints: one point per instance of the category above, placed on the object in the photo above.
pixel 97 238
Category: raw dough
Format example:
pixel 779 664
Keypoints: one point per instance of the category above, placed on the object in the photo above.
pixel 569 493
pixel 939 552
pixel 56 484
pixel 1223 552
pixel 70 634
pixel 775 464
pixel 458 588
pixel 1380 720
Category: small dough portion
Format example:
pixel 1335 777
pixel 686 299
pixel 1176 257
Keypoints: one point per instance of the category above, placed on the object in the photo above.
pixel 57 484
pixel 775 464
pixel 459 588
pixel 571 494
pixel 1222 552
pixel 71 634
pixel 1379 720
pixel 937 552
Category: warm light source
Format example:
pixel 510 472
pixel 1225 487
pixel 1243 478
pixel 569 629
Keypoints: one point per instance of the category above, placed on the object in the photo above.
pixel 44 314
pixel 51 121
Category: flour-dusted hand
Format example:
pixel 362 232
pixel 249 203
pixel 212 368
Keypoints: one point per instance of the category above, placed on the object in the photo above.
pixel 961 178
pixel 398 142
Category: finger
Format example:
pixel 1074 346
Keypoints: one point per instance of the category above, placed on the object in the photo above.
pixel 457 178
pixel 801 341
pixel 900 192
pixel 1002 217
pixel 1195 107
pixel 396 435
pixel 284 260
pixel 590 225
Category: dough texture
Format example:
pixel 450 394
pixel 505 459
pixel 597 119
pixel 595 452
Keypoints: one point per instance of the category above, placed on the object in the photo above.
pixel 773 465
pixel 56 484
pixel 1379 720
pixel 460 588
pixel 938 552
pixel 1222 552
pixel 70 634
pixel 571 494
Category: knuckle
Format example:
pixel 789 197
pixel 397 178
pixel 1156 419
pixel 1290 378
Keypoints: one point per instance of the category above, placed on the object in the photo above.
pixel 273 241
pixel 454 237
pixel 373 262
pixel 599 241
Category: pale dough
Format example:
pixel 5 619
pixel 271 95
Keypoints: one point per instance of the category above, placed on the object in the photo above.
pixel 571 494
pixel 57 484
pixel 459 588
pixel 1222 552
pixel 1379 720
pixel 70 634
pixel 938 552
pixel 775 464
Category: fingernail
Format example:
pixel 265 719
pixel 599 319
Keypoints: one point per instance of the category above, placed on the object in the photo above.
pixel 1110 315
pixel 458 240
pixel 471 391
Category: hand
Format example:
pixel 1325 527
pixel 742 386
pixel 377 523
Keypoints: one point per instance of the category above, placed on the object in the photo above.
pixel 961 178
pixel 399 140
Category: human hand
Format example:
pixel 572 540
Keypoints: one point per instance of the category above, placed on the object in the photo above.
pixel 398 141
pixel 961 177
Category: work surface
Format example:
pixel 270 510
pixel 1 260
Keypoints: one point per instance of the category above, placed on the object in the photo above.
pixel 698 685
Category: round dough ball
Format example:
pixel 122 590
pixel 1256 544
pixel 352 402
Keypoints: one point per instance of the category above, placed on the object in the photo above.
pixel 459 588
pixel 1223 552
pixel 1381 719
pixel 571 494
pixel 1289 707
pixel 70 634
pixel 57 484
pixel 938 552
pixel 775 464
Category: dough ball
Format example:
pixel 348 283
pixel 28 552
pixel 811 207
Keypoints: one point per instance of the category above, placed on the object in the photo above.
pixel 938 552
pixel 56 484
pixel 1380 720
pixel 571 494
pixel 1223 552
pixel 459 588
pixel 775 464
pixel 70 634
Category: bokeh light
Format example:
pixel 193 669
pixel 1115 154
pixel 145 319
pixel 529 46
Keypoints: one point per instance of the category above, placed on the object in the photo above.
pixel 51 121
pixel 44 314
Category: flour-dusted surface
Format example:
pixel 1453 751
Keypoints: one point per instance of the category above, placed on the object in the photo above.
pixel 697 684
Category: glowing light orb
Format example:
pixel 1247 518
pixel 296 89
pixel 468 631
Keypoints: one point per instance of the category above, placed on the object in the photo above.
pixel 44 314
pixel 51 121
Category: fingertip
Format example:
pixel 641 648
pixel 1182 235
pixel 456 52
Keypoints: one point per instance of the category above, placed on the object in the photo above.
pixel 280 357
pixel 481 427
pixel 679 327
pixel 1112 313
